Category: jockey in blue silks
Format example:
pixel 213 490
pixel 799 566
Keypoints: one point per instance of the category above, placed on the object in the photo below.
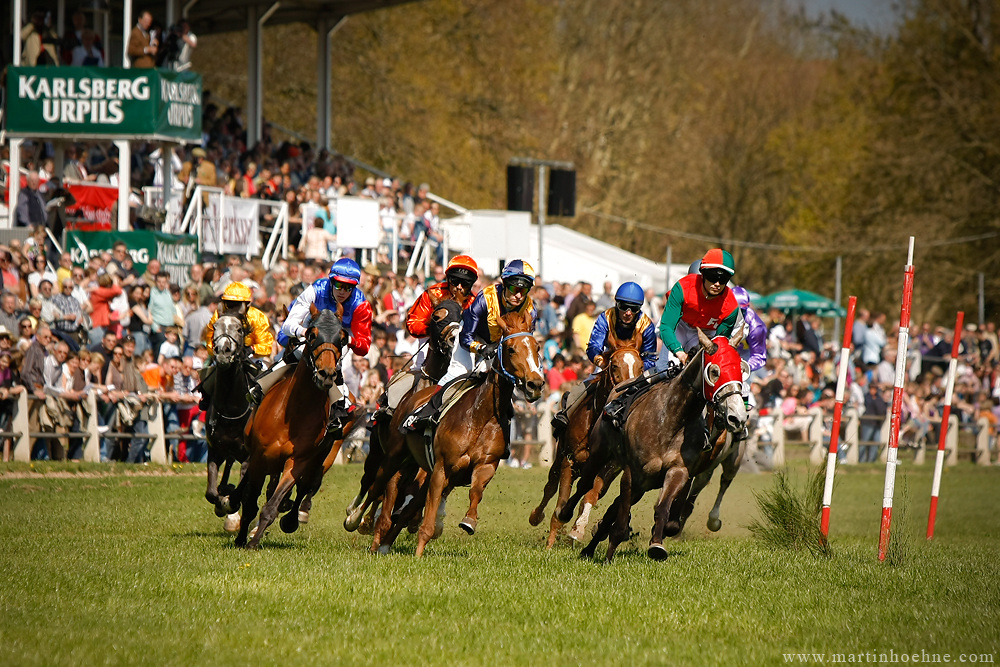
pixel 341 286
pixel 630 327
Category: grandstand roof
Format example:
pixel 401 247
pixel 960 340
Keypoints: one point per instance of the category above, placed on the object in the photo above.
pixel 214 16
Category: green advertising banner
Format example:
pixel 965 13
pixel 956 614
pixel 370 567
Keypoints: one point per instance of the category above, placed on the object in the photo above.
pixel 176 252
pixel 102 102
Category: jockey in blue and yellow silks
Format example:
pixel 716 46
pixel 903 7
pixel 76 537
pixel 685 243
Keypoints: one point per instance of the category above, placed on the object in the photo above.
pixel 624 325
pixel 481 332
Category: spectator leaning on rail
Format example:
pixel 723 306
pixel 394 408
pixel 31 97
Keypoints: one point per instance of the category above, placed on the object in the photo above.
pixel 341 286
pixel 259 339
pixel 622 325
pixel 702 300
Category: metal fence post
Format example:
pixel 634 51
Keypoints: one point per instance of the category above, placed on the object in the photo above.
pixel 158 451
pixel 851 430
pixel 22 444
pixel 817 453
pixel 983 442
pixel 547 453
pixel 778 441
pixel 951 442
pixel 92 445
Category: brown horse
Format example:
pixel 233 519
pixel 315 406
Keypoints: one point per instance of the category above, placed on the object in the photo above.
pixel 663 443
pixel 471 437
pixel 287 434
pixel 387 444
pixel 572 449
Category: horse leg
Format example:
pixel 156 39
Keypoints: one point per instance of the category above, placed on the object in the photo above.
pixel 435 489
pixel 225 490
pixel 481 477
pixel 369 494
pixel 552 484
pixel 730 466
pixel 280 489
pixel 384 521
pixel 620 530
pixel 249 490
pixel 565 486
pixel 371 468
pixel 603 529
pixel 289 522
pixel 673 482
pixel 600 486
pixel 212 492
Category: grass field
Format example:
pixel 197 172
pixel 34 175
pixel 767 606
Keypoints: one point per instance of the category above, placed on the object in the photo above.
pixel 132 568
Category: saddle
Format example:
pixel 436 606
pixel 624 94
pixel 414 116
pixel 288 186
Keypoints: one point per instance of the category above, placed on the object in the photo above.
pixel 618 408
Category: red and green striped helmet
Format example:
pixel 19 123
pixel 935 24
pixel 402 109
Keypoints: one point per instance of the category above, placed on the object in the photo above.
pixel 717 258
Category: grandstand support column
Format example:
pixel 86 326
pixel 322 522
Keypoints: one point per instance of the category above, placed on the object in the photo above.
pixel 323 88
pixel 17 20
pixel 258 45
pixel 167 156
pixel 126 32
pixel 542 171
pixel 124 183
pixel 14 180
pixel 60 24
pixel 253 74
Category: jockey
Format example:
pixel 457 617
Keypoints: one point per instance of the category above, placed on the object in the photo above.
pixel 753 348
pixel 701 300
pixel 340 287
pixel 259 337
pixel 480 333
pixel 460 276
pixel 624 324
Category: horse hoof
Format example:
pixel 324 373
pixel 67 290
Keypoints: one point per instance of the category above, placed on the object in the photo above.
pixel 383 550
pixel 367 526
pixel 536 517
pixel 289 522
pixel 577 533
pixel 657 552
pixel 714 524
pixel 353 521
pixel 303 517
pixel 286 505
pixel 232 523
pixel 468 525
pixel 220 511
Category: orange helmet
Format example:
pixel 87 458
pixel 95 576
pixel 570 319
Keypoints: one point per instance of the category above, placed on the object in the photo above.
pixel 463 267
pixel 237 292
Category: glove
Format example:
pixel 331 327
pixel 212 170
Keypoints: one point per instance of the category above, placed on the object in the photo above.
pixel 489 350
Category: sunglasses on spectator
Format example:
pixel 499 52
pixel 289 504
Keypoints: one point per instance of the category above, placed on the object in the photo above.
pixel 25 326
pixel 343 286
pixel 716 276
pixel 517 290
pixel 629 307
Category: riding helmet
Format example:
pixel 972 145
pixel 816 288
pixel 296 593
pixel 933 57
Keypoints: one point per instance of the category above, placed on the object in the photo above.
pixel 518 272
pixel 463 267
pixel 237 292
pixel 695 267
pixel 346 270
pixel 630 293
pixel 742 295
pixel 717 258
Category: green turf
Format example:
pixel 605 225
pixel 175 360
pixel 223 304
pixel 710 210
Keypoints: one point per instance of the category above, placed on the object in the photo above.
pixel 130 569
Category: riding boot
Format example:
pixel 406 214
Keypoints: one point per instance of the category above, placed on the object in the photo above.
pixel 425 415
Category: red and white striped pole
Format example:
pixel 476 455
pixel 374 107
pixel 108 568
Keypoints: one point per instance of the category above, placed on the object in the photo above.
pixel 897 406
pixel 838 409
pixel 945 416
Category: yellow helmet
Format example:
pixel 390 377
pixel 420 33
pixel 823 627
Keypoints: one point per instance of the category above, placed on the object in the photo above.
pixel 237 292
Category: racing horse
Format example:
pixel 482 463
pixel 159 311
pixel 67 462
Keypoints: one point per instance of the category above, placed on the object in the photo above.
pixel 228 410
pixel 387 444
pixel 471 437
pixel 286 436
pixel 665 442
pixel 572 451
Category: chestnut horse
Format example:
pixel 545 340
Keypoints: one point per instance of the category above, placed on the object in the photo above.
pixel 471 437
pixel 387 444
pixel 228 411
pixel 287 434
pixel 663 443
pixel 572 449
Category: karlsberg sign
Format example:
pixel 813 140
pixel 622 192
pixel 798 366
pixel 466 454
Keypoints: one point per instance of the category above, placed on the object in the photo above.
pixel 97 102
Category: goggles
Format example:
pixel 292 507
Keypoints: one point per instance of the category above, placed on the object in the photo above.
pixel 517 289
pixel 716 276
pixel 628 307
pixel 338 284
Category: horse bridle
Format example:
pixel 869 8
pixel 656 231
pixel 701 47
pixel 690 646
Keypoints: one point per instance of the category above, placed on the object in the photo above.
pixel 513 379
pixel 314 353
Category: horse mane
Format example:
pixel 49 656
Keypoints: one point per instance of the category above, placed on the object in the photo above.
pixel 327 319
pixel 515 322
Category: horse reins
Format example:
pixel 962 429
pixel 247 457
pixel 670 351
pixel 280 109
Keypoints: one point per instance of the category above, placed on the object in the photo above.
pixel 503 370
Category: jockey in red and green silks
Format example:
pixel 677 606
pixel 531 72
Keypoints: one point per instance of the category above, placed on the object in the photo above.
pixel 701 300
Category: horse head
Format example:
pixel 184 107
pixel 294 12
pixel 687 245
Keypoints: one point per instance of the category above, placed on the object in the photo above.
pixel 446 322
pixel 325 341
pixel 227 339
pixel 624 364
pixel 722 379
pixel 518 355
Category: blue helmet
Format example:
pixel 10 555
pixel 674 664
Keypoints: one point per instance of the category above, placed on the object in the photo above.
pixel 518 271
pixel 630 293
pixel 346 270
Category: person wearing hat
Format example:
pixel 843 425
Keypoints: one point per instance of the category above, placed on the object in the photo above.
pixel 259 338
pixel 703 301
pixel 622 325
pixel 340 287
pixel 481 334
pixel 460 276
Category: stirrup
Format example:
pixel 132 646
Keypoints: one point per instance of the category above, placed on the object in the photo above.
pixel 560 422
pixel 255 395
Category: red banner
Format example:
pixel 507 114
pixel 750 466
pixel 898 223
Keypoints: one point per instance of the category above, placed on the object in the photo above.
pixel 92 210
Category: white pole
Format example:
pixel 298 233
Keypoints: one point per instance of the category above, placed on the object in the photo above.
pixel 126 31
pixel 14 178
pixel 18 21
pixel 124 183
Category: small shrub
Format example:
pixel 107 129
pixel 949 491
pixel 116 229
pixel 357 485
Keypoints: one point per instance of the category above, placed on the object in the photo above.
pixel 790 515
